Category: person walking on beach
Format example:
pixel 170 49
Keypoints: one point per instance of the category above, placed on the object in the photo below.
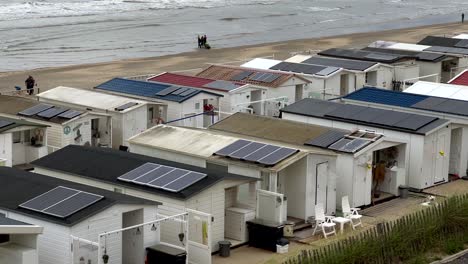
pixel 463 18
pixel 30 82
pixel 199 42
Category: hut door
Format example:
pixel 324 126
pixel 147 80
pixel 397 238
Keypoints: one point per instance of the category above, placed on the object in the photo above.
pixel 440 159
pixel 321 186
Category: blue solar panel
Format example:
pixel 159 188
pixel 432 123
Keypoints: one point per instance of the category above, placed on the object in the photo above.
pixel 35 109
pixel 51 112
pixel 381 96
pixel 145 89
pixel 185 181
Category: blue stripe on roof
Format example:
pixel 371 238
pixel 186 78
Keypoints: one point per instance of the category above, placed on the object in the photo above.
pixel 381 96
pixel 145 89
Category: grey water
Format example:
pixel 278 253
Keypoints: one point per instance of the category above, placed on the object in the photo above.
pixel 49 33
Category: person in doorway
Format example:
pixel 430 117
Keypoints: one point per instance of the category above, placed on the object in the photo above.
pixel 463 17
pixel 30 83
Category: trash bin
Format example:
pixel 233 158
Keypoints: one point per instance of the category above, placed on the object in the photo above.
pixel 224 248
pixel 404 192
pixel 282 246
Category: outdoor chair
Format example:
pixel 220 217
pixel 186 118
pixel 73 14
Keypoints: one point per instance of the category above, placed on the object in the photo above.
pixel 350 213
pixel 324 222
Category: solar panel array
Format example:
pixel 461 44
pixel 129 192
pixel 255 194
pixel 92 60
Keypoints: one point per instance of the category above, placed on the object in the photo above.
pixel 462 43
pixel 266 77
pixel 125 106
pixel 162 177
pixel 264 154
pixel 298 67
pixel 176 90
pixel 340 140
pixel 5 123
pixel 46 111
pixel 241 75
pixel 222 85
pixel 341 63
pixel 61 202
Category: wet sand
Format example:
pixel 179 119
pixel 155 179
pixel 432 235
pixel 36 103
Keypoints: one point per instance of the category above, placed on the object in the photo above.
pixel 90 75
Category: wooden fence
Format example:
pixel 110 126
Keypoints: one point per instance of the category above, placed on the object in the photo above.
pixel 443 227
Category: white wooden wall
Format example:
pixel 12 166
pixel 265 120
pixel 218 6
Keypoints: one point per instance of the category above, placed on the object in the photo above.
pixel 6 148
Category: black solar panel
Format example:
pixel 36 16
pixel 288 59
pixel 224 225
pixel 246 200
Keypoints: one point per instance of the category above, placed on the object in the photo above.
pixel 271 78
pixel 179 91
pixel 52 112
pixel 167 91
pixel 61 202
pixel 390 118
pixel 188 92
pixel 247 150
pixel 340 63
pixel 241 76
pixel 346 111
pixel 462 43
pixel 232 147
pixel 35 110
pixel 139 171
pixel 257 76
pixel 260 153
pixel 70 114
pixel 5 123
pixel 430 103
pixel 415 122
pixel 73 204
pixel 298 67
pixel 355 145
pixel 184 182
pixel 368 115
pixel 125 106
pixel 277 156
pixel 326 139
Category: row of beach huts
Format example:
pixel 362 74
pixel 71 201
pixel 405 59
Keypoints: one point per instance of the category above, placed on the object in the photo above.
pixel 168 165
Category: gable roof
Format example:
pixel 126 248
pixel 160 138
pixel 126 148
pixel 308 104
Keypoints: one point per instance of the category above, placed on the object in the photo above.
pixel 227 73
pixel 89 99
pixel 104 164
pixel 443 90
pixel 365 55
pixel 37 184
pixel 460 79
pixel 354 65
pixel 194 81
pixel 420 56
pixel 7 123
pixel 409 100
pixel 386 119
pixel 150 89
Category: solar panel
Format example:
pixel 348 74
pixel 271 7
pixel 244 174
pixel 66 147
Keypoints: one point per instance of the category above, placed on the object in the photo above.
pixel 137 172
pixel 462 43
pixel 326 139
pixel 368 115
pixel 185 181
pixel 51 112
pixel 261 152
pixel 160 176
pixel 241 76
pixel 73 204
pixel 179 91
pixel 70 114
pixel 383 57
pixel 223 85
pixel 355 145
pixel 188 92
pixel 5 123
pixel 414 122
pixel 257 76
pixel 277 156
pixel 247 150
pixel 125 106
pixel 167 91
pixel 390 118
pixel 35 109
pixel 340 144
pixel 327 71
pixel 61 202
pixel 271 78
pixel 430 103
pixel 232 147
pixel 346 111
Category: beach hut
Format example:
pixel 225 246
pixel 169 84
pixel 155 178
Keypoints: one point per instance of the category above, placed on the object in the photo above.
pixel 208 190
pixel 416 146
pixel 450 109
pixel 353 177
pixel 325 82
pixel 281 88
pixel 128 116
pixel 185 105
pixel 460 79
pixel 237 97
pixel 65 125
pixel 65 210
pixel 18 241
pixel 304 175
pixel 21 141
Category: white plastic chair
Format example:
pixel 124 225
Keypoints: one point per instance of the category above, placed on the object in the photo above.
pixel 323 221
pixel 350 213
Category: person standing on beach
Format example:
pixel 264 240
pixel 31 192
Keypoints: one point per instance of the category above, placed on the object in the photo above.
pixel 199 42
pixel 463 18
pixel 30 82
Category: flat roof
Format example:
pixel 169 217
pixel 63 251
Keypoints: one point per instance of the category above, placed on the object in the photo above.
pixel 355 65
pixel 443 90
pixel 154 90
pixel 298 58
pixel 365 55
pixel 461 36
pixel 369 116
pixel 260 63
pixel 246 75
pixel 442 42
pixel 194 81
pixel 409 100
pixel 105 164
pixel 37 184
pixel 420 56
pixel 89 99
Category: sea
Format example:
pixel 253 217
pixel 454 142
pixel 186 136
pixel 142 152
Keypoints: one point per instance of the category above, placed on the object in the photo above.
pixel 48 33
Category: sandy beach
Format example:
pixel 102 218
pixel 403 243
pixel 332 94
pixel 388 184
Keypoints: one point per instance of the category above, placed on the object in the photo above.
pixel 89 75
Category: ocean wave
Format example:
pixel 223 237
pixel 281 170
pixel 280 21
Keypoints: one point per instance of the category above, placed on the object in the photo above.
pixel 323 9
